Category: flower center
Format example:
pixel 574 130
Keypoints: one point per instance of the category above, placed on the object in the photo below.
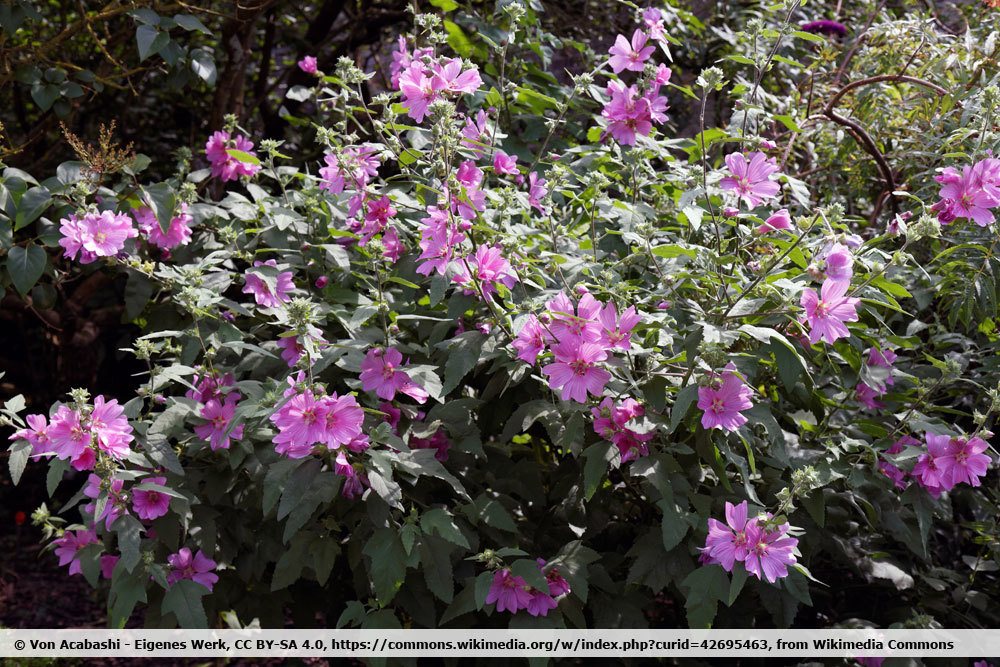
pixel 718 405
pixel 579 366
pixel 822 308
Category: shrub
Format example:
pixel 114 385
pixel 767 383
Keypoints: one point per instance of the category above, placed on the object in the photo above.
pixel 518 352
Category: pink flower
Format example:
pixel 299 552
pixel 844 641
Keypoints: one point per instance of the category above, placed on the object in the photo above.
pixel 727 542
pixel 839 263
pixel 419 90
pixel 439 441
pixel 779 221
pixel 932 469
pixel 95 235
pixel 377 216
pixel 36 434
pixel 380 373
pixel 751 179
pixel 770 551
pixel 888 469
pixel 343 420
pixel 198 568
pixel 630 56
pixel 438 238
pixel 724 400
pixel 827 312
pixel 557 584
pixel 210 386
pixel 470 199
pixel 509 592
pixel 224 165
pixel 308 65
pixel 629 115
pixel 536 192
pixel 68 434
pixel 109 423
pixel 617 331
pixel 301 423
pixel 575 371
pixel 530 340
pixel 392 247
pixel 964 460
pixel 489 268
pixel 115 505
pixel 540 603
pixel 867 396
pixel 505 164
pixel 150 504
pixel 969 194
pixel 291 350
pixel 177 234
pixel 219 415
pixel 475 134
pixel 269 290
pixel 580 323
pixel 69 544
pixel 611 423
pixel 652 18
pixel 108 562
pixel 450 77
pixel 354 167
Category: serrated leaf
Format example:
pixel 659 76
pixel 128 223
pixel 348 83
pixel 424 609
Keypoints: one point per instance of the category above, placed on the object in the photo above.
pixel 387 563
pixel 17 459
pixel 183 600
pixel 129 530
pixel 438 522
pixel 435 558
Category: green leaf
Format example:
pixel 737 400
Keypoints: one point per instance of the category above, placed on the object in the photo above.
pixel 162 200
pixel 243 156
pixel 203 65
pixel 44 95
pixel 387 568
pixel 25 266
pixel 289 567
pixel 128 529
pixel 324 553
pixel 438 522
pixel 183 600
pixel 150 40
pixel 17 459
pixel 190 23
pixel 33 203
pixel 808 36
pixel 444 5
pixel 463 355
pixel 674 524
pixel 435 558
pixel 528 569
pixel 596 459
pixel 704 587
pixel 126 591
pixel 682 404
pixel 672 250
pixel 159 451
pixel 457 39
pixel 57 468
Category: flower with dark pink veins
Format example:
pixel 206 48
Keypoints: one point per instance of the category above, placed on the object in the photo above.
pixel 261 287
pixel 827 312
pixel 150 504
pixel 224 165
pixel 531 340
pixel 419 90
pixel 728 542
pixel 779 221
pixel 723 400
pixel 198 568
pixel 70 544
pixel 751 178
pixel 575 371
pixel 770 551
pixel 219 414
pixel 965 460
pixel 451 78
pixel 509 592
pixel 617 330
pixel 381 372
pixel 576 323
pixel 626 55
pixel 932 470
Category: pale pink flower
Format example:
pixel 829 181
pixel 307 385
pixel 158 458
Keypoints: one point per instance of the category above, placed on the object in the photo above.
pixel 728 543
pixel 475 134
pixel 450 77
pixel 419 90
pixel 68 435
pixel 827 312
pixel 629 56
pixel 36 433
pixel 969 194
pixel 392 247
pixel 575 370
pixel 343 420
pixel 489 268
pixel 301 423
pixel 580 323
pixel 617 331
pixel 531 340
pixel 770 551
pixel 723 401
pixel 178 233
pixel 536 192
pixel 839 263
pixel 109 423
pixel 779 221
pixel 933 469
pixel 751 179
pixel 96 235
pixel 964 460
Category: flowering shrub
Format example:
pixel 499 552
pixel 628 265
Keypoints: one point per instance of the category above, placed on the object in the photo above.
pixel 516 342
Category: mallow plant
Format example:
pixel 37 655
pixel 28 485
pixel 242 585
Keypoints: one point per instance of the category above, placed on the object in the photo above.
pixel 518 351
